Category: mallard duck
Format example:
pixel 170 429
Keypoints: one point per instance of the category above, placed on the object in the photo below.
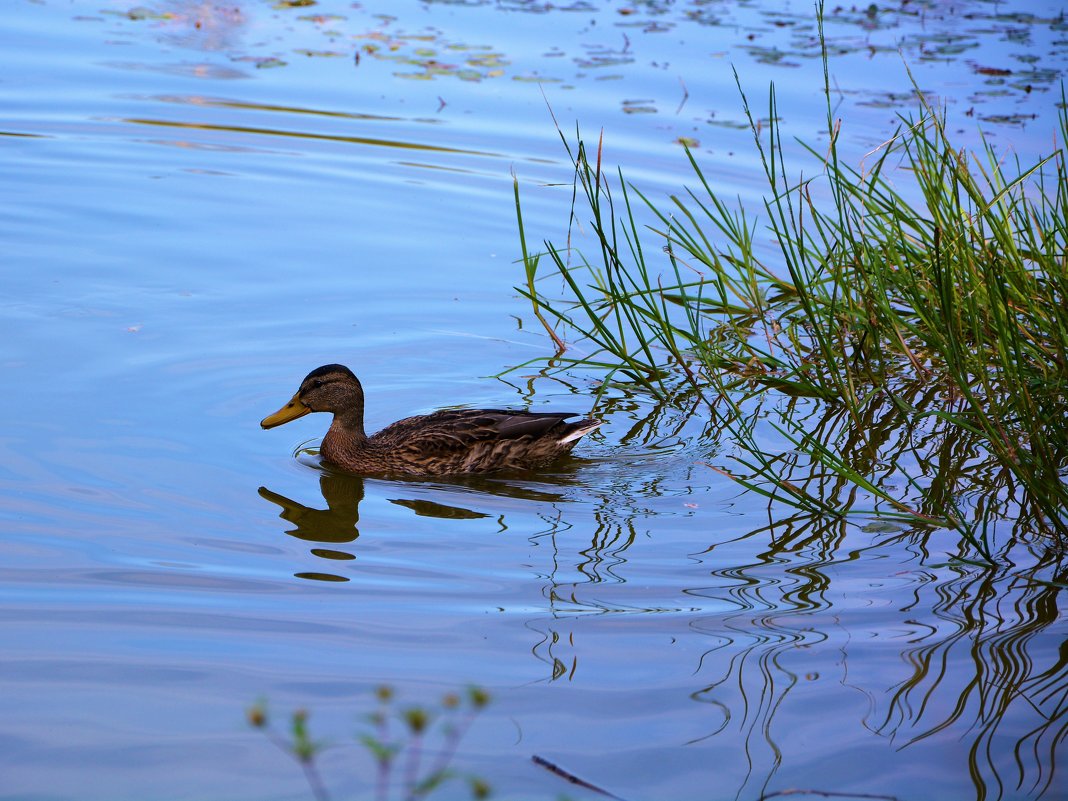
pixel 451 441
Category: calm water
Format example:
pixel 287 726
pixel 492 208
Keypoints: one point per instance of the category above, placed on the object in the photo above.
pixel 202 202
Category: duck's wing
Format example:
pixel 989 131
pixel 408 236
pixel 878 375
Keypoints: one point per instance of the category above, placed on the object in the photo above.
pixel 478 440
pixel 463 427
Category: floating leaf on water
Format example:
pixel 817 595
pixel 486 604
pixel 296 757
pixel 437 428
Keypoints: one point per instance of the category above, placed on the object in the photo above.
pixel 703 17
pixel 261 62
pixel 377 36
pixel 733 125
pixel 534 79
pixel 772 56
pixel 687 141
pixel 140 13
pixel 320 53
pixel 488 60
pixel 994 94
pixel 294 3
pixel 881 527
pixel 603 61
pixel 1008 119
pixel 463 48
pixel 1050 76
pixel 947 50
pixel 319 576
pixel 319 19
pixel 887 100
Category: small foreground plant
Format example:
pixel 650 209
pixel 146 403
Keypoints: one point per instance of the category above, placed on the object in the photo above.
pixel 397 742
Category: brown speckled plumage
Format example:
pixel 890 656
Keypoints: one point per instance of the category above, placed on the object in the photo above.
pixel 446 442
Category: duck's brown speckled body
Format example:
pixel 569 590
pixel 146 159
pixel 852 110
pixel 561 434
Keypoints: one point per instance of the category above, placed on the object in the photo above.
pixel 447 442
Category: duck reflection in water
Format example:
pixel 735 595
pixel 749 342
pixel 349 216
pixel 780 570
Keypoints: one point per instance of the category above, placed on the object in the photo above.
pixel 338 523
pixel 334 525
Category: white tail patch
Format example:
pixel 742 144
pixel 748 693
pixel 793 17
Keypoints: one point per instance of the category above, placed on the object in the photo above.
pixel 581 432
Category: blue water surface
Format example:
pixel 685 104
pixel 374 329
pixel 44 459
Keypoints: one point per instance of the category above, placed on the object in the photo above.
pixel 203 201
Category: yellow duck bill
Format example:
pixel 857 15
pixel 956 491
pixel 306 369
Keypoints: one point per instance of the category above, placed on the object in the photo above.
pixel 291 411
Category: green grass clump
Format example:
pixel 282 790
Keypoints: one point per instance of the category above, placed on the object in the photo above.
pixel 911 343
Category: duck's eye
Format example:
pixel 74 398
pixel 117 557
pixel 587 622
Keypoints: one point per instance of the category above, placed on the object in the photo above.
pixel 318 382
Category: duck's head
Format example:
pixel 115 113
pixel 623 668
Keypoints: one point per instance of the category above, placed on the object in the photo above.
pixel 330 388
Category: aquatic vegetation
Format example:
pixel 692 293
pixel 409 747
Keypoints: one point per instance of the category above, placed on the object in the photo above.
pixel 903 342
pixel 622 40
pixel 422 770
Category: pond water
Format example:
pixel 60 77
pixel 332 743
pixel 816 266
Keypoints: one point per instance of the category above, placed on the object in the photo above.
pixel 203 201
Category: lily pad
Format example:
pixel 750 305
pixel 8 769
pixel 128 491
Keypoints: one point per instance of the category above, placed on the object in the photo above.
pixel 320 19
pixel 881 527
pixel 320 53
pixel 141 13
